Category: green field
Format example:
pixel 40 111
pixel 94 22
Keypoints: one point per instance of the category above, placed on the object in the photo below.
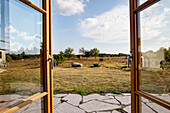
pixel 23 77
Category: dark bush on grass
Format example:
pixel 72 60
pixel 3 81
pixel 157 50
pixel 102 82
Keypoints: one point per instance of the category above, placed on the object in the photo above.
pixel 101 59
pixel 96 65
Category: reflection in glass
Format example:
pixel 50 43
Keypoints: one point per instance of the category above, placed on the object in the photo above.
pixel 155 48
pixel 20 54
pixel 151 107
pixel 141 1
pixel 35 107
pixel 4 23
pixel 37 2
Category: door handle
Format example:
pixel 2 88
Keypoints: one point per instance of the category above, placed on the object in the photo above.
pixel 51 60
pixel 129 59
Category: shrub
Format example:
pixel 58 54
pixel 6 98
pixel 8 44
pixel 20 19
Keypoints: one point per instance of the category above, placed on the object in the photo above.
pixel 96 65
pixel 73 56
pixel 164 64
pixel 8 58
pixel 168 55
pixel 58 59
pixel 101 59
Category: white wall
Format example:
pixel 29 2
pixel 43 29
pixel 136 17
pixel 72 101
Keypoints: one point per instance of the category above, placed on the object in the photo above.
pixel 3 59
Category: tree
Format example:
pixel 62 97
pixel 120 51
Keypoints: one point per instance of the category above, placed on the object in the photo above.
pixel 82 50
pixel 87 53
pixel 61 53
pixel 69 52
pixel 94 52
pixel 168 55
pixel 58 59
pixel 8 58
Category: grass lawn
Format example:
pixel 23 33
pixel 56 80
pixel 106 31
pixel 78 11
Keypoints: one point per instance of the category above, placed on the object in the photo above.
pixel 109 77
pixel 23 77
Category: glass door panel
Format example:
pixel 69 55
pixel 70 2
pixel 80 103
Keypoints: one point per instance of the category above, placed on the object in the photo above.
pixel 22 54
pixel 151 107
pixel 141 1
pixel 155 49
pixel 35 107
pixel 38 3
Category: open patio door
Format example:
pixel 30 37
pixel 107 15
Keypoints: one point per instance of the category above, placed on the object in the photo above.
pixel 150 41
pixel 25 61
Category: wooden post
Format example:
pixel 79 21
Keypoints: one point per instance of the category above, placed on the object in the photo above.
pixel 48 51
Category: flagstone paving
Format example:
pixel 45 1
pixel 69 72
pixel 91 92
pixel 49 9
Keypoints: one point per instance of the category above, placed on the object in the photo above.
pixel 93 103
pixel 94 97
pixel 73 99
pixel 124 100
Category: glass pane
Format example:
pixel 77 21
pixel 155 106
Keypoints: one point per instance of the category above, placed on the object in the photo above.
pixel 35 107
pixel 37 2
pixel 21 52
pixel 4 38
pixel 141 1
pixel 155 48
pixel 151 107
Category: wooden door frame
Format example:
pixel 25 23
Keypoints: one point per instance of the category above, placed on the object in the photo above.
pixel 47 75
pixel 136 92
pixel 48 51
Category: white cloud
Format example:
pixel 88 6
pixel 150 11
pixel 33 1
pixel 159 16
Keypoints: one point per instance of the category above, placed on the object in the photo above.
pixel 152 21
pixel 15 46
pixel 33 37
pixel 161 42
pixel 69 7
pixel 12 38
pixel 22 34
pixel 109 27
pixel 113 26
pixel 16 35
pixel 163 39
pixel 10 29
pixel 89 22
pixel 167 10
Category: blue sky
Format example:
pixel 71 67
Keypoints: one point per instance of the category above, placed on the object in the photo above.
pixel 105 25
pixel 90 24
pixel 67 31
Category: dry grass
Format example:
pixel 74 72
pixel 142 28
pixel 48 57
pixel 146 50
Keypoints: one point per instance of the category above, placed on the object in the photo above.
pixel 156 81
pixel 92 80
pixel 23 77
pixel 88 79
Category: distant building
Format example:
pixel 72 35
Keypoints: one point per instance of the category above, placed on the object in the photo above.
pixel 2 58
pixel 4 25
pixel 4 31
pixel 151 59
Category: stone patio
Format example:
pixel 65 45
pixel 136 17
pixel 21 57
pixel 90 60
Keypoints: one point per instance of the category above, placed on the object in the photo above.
pixel 108 103
pixel 93 103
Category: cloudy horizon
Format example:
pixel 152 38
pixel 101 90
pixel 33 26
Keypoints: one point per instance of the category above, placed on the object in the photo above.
pixel 91 24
